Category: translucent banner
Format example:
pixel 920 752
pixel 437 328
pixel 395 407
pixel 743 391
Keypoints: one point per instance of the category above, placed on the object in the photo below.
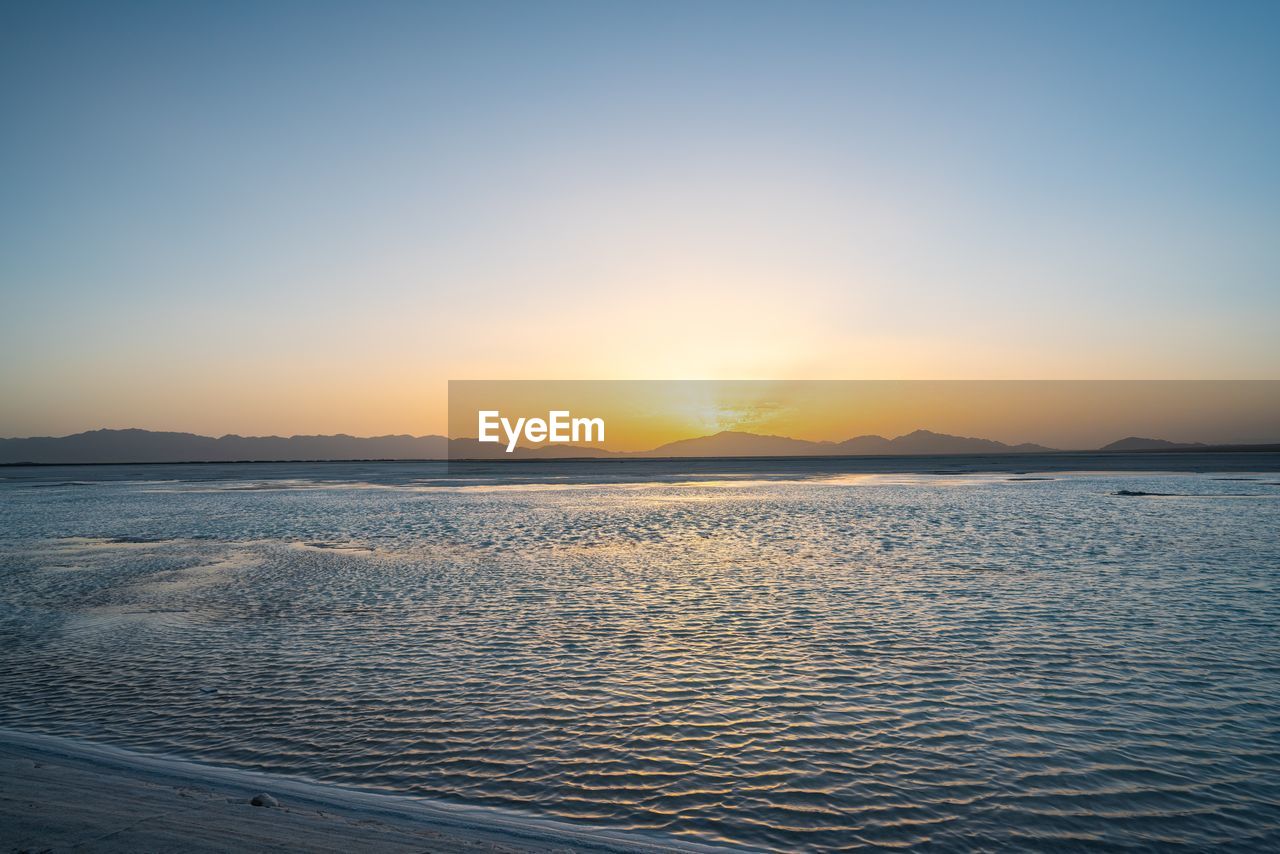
pixel 603 419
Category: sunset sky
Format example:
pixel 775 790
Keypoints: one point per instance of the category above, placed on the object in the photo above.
pixel 308 217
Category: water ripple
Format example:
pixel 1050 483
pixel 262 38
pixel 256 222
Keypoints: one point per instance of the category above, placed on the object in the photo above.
pixel 955 664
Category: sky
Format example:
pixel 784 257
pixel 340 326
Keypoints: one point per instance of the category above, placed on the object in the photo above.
pixel 286 218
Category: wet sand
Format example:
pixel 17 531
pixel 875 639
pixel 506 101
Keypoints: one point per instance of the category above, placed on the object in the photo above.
pixel 57 794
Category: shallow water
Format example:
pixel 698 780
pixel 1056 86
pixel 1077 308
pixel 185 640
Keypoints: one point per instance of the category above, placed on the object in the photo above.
pixel 776 662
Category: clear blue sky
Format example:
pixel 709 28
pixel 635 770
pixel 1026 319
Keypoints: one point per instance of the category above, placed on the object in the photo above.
pixel 280 217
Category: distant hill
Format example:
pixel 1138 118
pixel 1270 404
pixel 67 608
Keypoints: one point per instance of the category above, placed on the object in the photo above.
pixel 733 443
pixel 738 444
pixel 146 446
pixel 1137 443
pixel 928 442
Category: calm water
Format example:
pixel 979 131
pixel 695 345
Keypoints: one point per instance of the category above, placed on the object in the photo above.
pixel 773 660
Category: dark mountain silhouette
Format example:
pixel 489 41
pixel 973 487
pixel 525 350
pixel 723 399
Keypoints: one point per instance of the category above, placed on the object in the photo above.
pixel 928 442
pixel 1137 443
pixel 737 444
pixel 865 445
pixel 146 446
pixel 733 443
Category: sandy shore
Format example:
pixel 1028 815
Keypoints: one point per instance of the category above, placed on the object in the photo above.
pixel 58 794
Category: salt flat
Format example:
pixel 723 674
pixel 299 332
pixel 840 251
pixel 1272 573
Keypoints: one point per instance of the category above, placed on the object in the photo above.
pixel 780 659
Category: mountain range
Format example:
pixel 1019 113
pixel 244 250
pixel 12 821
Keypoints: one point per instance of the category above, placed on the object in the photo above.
pixel 147 446
pixel 737 444
pixel 1137 443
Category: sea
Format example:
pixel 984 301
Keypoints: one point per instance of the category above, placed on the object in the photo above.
pixel 1030 652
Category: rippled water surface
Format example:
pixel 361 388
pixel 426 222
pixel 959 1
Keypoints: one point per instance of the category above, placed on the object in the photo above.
pixel 964 661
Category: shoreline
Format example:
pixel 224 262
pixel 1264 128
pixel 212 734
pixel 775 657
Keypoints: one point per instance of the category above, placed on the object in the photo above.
pixel 644 456
pixel 59 793
pixel 605 471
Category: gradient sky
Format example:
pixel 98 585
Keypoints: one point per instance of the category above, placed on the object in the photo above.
pixel 306 218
